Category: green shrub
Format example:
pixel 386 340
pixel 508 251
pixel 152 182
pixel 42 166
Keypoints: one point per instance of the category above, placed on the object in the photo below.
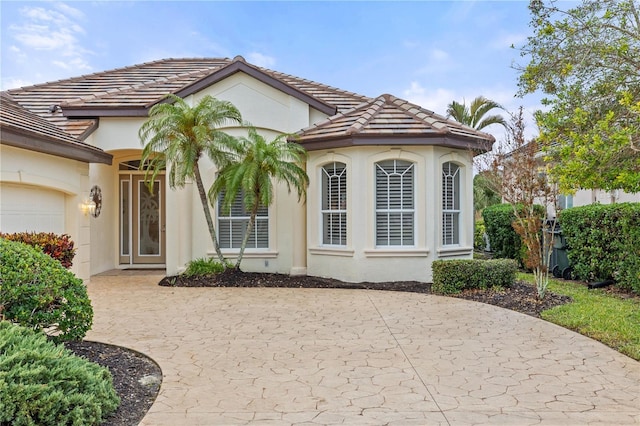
pixel 60 247
pixel 36 291
pixel 42 383
pixel 478 235
pixel 453 276
pixel 203 267
pixel 503 239
pixel 604 242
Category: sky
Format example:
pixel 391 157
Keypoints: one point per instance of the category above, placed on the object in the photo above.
pixel 427 52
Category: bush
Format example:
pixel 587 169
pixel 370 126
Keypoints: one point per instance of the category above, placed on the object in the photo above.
pixel 603 242
pixel 60 247
pixel 37 292
pixel 505 242
pixel 478 235
pixel 453 276
pixel 203 267
pixel 43 383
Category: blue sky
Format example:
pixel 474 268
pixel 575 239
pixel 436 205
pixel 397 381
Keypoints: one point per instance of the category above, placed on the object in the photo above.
pixel 428 52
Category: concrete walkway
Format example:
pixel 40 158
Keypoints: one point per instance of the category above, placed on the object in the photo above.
pixel 303 356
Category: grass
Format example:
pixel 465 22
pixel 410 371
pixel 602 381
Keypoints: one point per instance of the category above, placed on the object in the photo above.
pixel 606 318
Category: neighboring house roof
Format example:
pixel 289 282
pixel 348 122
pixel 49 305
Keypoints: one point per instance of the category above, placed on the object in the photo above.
pixel 388 120
pixel 23 129
pixel 74 105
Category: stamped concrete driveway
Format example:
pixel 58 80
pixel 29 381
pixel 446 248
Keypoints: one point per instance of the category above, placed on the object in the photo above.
pixel 303 356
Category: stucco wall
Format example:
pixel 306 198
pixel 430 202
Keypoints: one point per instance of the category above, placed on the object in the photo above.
pixel 361 260
pixel 187 237
pixel 60 185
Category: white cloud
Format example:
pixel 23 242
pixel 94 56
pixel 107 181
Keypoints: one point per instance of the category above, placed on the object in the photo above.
pixel 506 40
pixel 261 60
pixel 52 33
pixel 12 83
pixel 435 99
pixel 437 61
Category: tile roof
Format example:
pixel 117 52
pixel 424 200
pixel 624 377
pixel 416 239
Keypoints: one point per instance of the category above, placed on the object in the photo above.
pixel 23 128
pixel 388 116
pixel 140 86
pixel 130 91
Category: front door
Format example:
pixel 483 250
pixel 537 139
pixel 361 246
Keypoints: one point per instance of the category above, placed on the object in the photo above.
pixel 142 220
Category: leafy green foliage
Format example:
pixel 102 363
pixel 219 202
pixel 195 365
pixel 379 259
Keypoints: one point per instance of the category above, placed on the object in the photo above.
pixel 587 59
pixel 203 267
pixel 36 291
pixel 453 276
pixel 604 242
pixel 177 135
pixel 505 242
pixel 60 247
pixel 478 235
pixel 42 383
pixel 475 115
pixel 253 166
pixel 484 192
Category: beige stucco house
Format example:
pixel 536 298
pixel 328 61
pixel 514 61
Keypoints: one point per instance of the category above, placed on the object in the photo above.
pixel 390 192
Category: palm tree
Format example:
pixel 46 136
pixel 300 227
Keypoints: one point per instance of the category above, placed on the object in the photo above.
pixel 474 115
pixel 178 135
pixel 251 175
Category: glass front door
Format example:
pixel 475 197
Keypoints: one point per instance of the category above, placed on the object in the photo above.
pixel 142 220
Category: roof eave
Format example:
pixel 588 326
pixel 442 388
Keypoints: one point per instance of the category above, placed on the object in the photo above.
pixel 478 146
pixel 51 146
pixel 91 113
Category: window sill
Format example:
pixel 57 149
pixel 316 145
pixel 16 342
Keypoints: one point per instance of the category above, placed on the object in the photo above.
pixel 331 251
pixel 454 251
pixel 399 252
pixel 255 254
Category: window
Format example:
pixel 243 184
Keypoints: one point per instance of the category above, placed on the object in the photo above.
pixel 450 204
pixel 334 204
pixel 394 203
pixel 232 225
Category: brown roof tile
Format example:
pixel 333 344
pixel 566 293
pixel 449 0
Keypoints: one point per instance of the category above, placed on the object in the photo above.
pixel 27 130
pixel 386 116
pixel 135 88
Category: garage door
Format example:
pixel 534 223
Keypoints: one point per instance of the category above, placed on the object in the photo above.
pixel 31 209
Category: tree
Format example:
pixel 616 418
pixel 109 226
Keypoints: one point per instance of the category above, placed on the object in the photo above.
pixel 520 176
pixel 177 135
pixel 484 192
pixel 475 115
pixel 256 163
pixel 587 61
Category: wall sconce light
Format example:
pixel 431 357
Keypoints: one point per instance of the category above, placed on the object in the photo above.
pixel 88 207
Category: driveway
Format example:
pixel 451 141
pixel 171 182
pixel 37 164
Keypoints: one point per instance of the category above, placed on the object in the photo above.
pixel 264 356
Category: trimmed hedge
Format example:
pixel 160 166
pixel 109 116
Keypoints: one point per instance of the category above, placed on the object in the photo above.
pixel 503 239
pixel 36 291
pixel 453 276
pixel 42 383
pixel 604 242
pixel 60 247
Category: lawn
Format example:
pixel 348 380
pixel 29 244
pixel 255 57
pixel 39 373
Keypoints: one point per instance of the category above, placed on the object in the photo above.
pixel 608 318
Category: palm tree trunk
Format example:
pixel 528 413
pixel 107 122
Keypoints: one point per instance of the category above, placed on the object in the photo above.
pixel 247 234
pixel 207 213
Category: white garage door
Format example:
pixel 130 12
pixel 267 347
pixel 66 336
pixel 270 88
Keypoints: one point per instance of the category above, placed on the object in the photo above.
pixel 31 209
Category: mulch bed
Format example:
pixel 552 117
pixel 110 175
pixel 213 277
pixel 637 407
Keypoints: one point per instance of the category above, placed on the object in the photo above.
pixel 128 367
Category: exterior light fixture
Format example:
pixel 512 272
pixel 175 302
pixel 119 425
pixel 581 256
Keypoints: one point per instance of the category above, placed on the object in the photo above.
pixel 88 207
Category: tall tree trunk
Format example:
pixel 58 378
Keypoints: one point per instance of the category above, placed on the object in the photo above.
pixel 247 234
pixel 207 213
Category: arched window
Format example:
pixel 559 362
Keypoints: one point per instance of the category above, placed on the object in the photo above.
pixel 450 204
pixel 394 203
pixel 334 204
pixel 233 223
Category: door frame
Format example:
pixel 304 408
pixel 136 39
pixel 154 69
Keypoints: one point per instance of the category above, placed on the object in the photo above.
pixel 129 184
